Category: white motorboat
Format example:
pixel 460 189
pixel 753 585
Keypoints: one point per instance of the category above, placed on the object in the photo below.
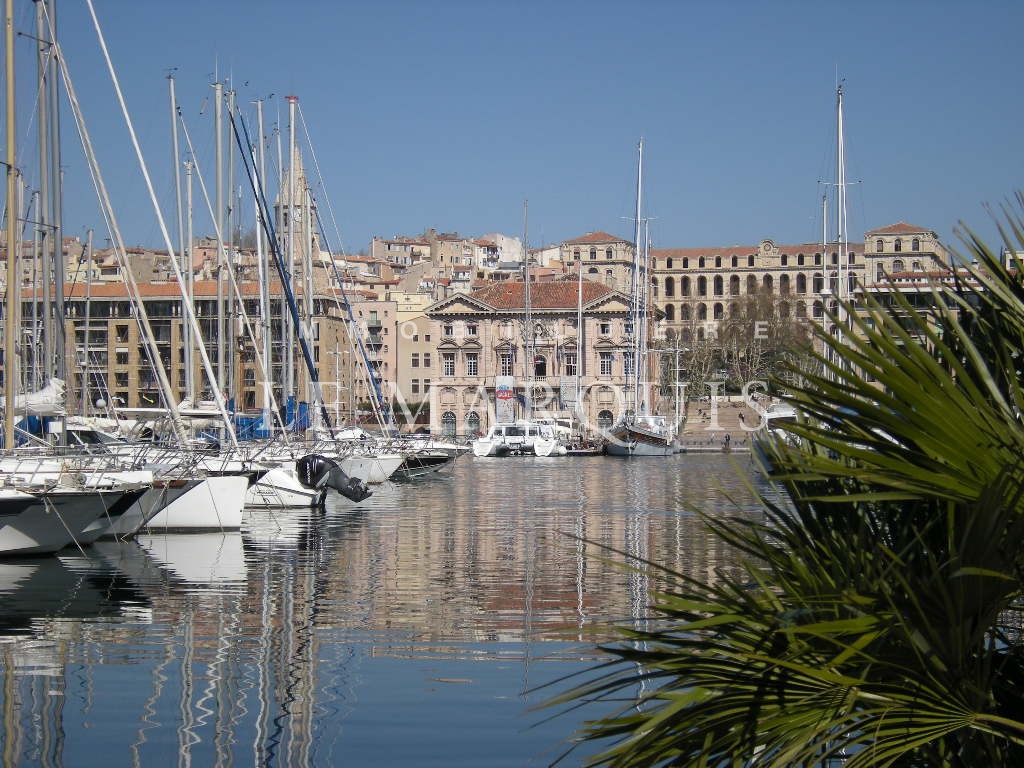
pixel 518 438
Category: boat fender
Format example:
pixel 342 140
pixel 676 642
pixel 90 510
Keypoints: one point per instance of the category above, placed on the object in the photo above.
pixel 316 471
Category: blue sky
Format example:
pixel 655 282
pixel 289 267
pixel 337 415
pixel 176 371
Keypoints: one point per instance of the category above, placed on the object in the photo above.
pixel 449 114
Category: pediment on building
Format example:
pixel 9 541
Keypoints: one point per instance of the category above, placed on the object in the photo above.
pixel 459 304
pixel 612 302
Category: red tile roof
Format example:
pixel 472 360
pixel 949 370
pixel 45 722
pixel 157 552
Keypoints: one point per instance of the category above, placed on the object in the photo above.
pixel 594 238
pixel 899 228
pixel 558 294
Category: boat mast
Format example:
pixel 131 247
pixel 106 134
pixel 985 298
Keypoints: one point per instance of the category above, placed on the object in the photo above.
pixel 529 317
pixel 230 249
pixel 636 289
pixel 10 319
pixel 218 132
pixel 579 339
pixel 184 249
pixel 56 203
pixel 264 267
pixel 44 260
pixel 289 223
pixel 842 290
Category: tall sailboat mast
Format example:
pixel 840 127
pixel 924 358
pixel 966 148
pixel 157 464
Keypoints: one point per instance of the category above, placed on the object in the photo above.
pixel 528 315
pixel 841 236
pixel 636 289
pixel 11 313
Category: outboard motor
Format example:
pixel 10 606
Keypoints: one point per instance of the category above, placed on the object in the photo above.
pixel 316 471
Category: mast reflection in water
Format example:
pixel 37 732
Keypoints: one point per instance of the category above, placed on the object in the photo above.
pixel 409 630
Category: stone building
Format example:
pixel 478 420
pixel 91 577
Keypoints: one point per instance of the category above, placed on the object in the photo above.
pixel 488 333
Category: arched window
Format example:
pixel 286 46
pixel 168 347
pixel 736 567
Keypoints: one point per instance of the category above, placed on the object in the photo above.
pixel 734 309
pixel 735 262
pixel 702 286
pixel 897 245
pixel 819 309
pixel 879 245
pixel 719 311
pixel 734 285
pixel 801 309
pixel 801 283
pixel 702 311
pixel 819 282
pixel 472 423
pixel 540 366
pixel 593 254
pixel 719 285
pixel 799 259
pixel 686 263
pixel 784 285
pixel 670 287
pixel 576 254
pixel 750 260
pixel 684 311
pixel 670 313
pixel 685 335
pixel 684 287
pixel 608 254
pixel 768 282
pixel 668 263
pixel 700 263
pixel 915 244
pixel 751 285
pixel 718 262
pixel 783 309
pixel 897 265
pixel 835 257
pixel 593 271
pixel 448 424
pixel 604 420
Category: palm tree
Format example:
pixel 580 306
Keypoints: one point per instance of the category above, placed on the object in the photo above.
pixel 878 618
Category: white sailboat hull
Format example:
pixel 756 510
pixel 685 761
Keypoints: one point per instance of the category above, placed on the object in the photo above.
pixel 214 504
pixel 280 487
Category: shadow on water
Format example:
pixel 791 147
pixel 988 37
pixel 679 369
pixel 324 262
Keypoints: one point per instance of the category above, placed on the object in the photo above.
pixel 408 629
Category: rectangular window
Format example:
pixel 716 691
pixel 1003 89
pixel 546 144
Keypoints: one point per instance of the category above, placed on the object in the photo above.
pixel 471 329
pixel 426 359
pixel 426 337
pixel 121 358
pixel 605 329
pixel 472 364
pixel 122 334
pixel 447 363
pixel 415 360
pixel 627 364
pixel 570 364
pixel 414 386
pixel 448 330
pixel 505 364
pixel 606 363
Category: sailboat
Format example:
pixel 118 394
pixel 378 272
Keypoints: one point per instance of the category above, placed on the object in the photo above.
pixel 639 432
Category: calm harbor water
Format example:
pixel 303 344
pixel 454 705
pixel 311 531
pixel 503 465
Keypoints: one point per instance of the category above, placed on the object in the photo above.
pixel 413 629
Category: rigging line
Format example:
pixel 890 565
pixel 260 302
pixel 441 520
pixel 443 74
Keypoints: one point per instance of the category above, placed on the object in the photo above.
pixel 159 369
pixel 379 401
pixel 227 265
pixel 320 176
pixel 268 228
pixel 142 317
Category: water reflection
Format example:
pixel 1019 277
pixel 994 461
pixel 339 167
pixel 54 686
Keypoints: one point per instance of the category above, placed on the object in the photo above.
pixel 423 615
